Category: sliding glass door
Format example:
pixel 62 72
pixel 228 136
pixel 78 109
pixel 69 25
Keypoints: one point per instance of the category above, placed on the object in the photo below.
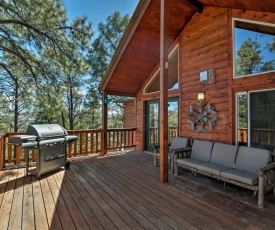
pixel 255 119
pixel 152 121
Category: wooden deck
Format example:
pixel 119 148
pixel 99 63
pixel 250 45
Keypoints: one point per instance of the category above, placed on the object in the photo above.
pixel 122 191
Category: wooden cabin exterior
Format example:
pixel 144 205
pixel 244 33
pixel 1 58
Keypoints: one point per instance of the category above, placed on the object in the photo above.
pixel 203 35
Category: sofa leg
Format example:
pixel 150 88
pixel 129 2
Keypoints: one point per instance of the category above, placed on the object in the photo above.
pixel 261 192
pixel 155 159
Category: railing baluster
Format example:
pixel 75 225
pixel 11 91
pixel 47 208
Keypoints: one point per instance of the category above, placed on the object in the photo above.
pixel 89 142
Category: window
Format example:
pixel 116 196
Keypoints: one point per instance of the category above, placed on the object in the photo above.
pixel 255 119
pixel 154 84
pixel 254 47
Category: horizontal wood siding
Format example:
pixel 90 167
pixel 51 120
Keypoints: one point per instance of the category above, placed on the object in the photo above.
pixel 129 114
pixel 140 122
pixel 203 46
pixel 206 43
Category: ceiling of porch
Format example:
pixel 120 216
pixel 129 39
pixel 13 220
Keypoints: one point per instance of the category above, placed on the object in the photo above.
pixel 138 53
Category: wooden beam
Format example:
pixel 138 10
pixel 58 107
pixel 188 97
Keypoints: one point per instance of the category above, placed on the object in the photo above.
pixel 164 91
pixel 195 5
pixel 120 93
pixel 104 122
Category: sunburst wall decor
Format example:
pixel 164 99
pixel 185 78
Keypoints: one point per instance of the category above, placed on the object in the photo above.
pixel 201 116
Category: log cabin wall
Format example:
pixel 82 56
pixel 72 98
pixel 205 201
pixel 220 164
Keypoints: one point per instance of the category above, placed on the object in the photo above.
pixel 129 114
pixel 206 43
pixel 140 121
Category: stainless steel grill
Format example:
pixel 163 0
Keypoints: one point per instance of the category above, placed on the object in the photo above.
pixel 49 141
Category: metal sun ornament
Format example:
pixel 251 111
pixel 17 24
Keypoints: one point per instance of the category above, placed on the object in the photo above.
pixel 201 116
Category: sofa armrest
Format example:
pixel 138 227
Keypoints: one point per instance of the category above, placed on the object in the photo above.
pixel 181 152
pixel 266 169
pixel 156 147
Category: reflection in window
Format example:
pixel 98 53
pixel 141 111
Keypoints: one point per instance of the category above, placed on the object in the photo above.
pixel 242 119
pixel 254 48
pixel 154 84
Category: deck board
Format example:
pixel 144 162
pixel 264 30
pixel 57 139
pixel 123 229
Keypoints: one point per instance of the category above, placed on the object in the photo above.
pixel 122 191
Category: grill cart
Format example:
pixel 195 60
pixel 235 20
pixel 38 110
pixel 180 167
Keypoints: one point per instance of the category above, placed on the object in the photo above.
pixel 49 141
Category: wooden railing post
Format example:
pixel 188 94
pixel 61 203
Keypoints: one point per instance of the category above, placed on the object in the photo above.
pixel 104 121
pixel 2 151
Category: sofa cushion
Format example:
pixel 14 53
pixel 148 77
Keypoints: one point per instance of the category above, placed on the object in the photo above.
pixel 189 162
pixel 251 159
pixel 212 168
pixel 201 150
pixel 179 142
pixel 241 176
pixel 224 154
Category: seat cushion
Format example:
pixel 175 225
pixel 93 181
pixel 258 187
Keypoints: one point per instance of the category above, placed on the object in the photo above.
pixel 189 162
pixel 241 176
pixel 224 154
pixel 201 150
pixel 212 168
pixel 251 159
pixel 179 142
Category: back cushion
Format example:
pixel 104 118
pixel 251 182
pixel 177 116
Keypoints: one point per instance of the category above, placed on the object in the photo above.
pixel 201 150
pixel 179 142
pixel 224 154
pixel 252 159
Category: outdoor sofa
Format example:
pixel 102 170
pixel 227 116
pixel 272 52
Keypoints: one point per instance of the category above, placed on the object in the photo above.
pixel 243 166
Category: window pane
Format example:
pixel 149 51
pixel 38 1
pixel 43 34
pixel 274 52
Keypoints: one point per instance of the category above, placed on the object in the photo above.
pixel 154 123
pixel 254 48
pixel 154 85
pixel 262 122
pixel 242 119
pixel 173 119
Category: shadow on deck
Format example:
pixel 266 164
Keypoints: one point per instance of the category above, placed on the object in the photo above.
pixel 122 191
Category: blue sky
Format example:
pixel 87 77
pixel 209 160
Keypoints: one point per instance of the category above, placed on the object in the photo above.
pixel 98 10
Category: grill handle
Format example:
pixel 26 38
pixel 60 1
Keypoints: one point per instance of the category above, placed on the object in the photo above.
pixel 54 158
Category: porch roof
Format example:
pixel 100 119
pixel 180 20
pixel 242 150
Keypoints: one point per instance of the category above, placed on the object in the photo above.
pixel 138 53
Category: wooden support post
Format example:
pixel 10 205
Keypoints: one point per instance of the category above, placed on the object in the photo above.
pixel 261 192
pixel 104 121
pixel 164 91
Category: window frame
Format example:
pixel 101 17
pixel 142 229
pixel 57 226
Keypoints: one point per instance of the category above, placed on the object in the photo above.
pixel 233 44
pixel 248 93
pixel 158 70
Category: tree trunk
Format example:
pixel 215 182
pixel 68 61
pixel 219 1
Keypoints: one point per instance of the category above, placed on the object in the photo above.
pixel 16 107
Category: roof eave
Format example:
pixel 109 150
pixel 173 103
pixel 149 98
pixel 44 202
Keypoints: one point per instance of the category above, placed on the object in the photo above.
pixel 137 16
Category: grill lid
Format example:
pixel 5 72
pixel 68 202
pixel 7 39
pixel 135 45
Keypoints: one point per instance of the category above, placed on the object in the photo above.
pixel 46 131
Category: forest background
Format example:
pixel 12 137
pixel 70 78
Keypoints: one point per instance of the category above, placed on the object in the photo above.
pixel 51 66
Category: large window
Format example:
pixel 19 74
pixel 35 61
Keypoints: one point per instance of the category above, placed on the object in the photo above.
pixel 154 84
pixel 254 47
pixel 255 119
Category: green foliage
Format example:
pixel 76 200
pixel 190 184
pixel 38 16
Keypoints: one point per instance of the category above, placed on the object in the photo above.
pixel 39 49
pixel 249 59
pixel 99 56
pixel 44 63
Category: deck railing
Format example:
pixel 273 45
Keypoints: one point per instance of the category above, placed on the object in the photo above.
pixel 154 134
pixel 88 142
